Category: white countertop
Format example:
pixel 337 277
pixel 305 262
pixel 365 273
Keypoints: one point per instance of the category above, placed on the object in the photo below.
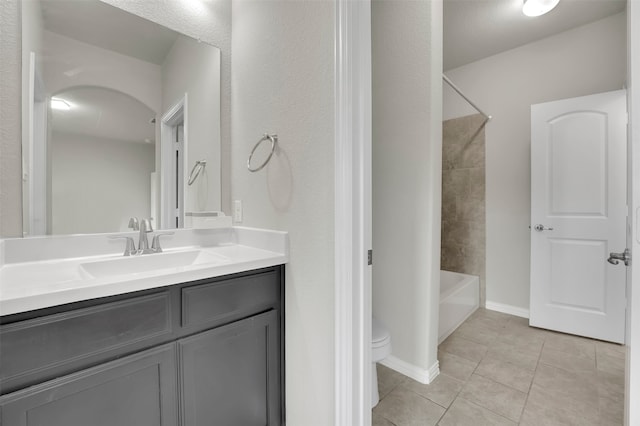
pixel 41 272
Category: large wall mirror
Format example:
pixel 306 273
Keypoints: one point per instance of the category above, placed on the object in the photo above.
pixel 117 111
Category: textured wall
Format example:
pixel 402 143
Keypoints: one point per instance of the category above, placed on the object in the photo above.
pixel 407 162
pixel 586 60
pixel 10 124
pixel 463 197
pixel 283 82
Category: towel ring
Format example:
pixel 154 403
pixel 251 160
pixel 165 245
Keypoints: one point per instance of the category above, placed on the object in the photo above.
pixel 266 137
pixel 195 172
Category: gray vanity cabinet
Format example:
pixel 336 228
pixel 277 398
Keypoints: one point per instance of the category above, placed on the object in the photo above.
pixel 208 352
pixel 230 375
pixel 137 390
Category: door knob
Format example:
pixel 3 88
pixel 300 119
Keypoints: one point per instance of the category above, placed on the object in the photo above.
pixel 625 256
pixel 540 228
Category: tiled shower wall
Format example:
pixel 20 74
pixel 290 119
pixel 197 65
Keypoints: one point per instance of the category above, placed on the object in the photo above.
pixel 463 197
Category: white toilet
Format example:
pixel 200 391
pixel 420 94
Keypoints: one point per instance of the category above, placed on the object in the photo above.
pixel 380 349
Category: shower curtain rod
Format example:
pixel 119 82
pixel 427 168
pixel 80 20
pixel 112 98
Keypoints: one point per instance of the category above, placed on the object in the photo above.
pixel 454 87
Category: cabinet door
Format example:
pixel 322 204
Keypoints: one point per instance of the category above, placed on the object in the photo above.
pixel 136 390
pixel 231 374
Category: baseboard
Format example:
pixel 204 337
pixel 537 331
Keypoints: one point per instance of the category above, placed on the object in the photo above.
pixel 416 373
pixel 507 309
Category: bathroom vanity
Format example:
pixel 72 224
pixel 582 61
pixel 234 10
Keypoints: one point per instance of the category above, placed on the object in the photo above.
pixel 192 352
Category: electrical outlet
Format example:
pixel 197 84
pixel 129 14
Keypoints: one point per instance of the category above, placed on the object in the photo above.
pixel 237 211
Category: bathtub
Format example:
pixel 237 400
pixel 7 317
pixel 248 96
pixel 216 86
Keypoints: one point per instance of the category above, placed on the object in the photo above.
pixel 459 298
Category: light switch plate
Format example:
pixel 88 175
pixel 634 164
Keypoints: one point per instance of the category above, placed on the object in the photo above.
pixel 237 211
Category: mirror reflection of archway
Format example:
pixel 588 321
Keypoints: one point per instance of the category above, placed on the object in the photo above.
pixel 102 156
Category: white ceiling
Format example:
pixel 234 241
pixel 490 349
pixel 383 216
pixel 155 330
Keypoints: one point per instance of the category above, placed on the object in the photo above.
pixel 476 29
pixel 103 25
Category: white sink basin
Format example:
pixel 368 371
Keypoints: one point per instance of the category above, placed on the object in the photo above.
pixel 150 262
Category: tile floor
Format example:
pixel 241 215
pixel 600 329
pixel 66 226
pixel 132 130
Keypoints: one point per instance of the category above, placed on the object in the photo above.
pixel 496 370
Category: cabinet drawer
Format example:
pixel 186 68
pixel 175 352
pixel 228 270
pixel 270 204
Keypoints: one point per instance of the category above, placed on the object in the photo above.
pixel 208 303
pixel 31 347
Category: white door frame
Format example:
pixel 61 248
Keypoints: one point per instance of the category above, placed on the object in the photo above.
pixel 352 213
pixel 37 164
pixel 178 112
pixel 632 376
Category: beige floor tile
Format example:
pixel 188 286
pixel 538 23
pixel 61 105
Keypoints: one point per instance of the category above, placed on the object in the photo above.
pixel 505 373
pixel 523 358
pixel 522 324
pixel 572 345
pixel 494 396
pixel 610 364
pixel 388 379
pixel 466 413
pixel 567 361
pixel 518 334
pixel 610 385
pixel 443 390
pixel 570 387
pixel 611 349
pixel 494 315
pixel 522 339
pixel 377 420
pixel 518 321
pixel 455 366
pixel 611 411
pixel 487 323
pixel 477 333
pixel 464 348
pixel 405 408
pixel 490 363
pixel 548 417
pixel 610 422
pixel 545 409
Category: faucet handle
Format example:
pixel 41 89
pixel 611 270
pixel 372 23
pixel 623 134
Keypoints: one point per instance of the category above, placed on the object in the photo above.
pixel 134 224
pixel 147 225
pixel 130 248
pixel 155 244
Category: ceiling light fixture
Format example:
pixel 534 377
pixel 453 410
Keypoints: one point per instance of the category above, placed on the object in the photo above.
pixel 60 104
pixel 538 7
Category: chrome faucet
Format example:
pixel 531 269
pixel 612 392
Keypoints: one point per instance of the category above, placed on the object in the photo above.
pixel 144 226
pixel 143 242
pixel 130 248
pixel 155 244
pixel 134 224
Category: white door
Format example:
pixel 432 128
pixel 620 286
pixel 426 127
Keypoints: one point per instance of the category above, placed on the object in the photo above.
pixel 578 215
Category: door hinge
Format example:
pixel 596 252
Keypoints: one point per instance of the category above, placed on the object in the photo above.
pixel 370 257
